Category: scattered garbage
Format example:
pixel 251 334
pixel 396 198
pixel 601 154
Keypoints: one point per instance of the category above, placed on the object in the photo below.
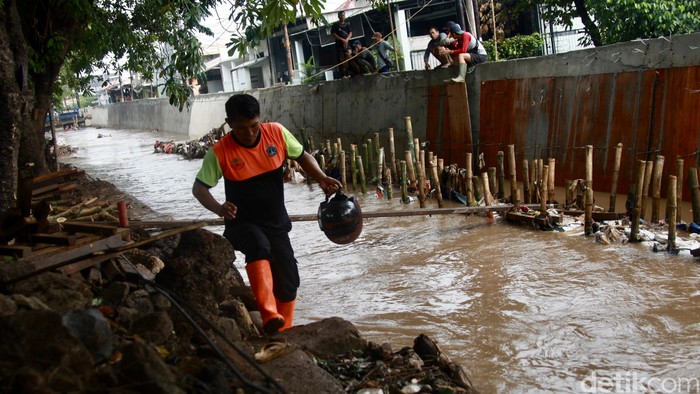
pixel 193 149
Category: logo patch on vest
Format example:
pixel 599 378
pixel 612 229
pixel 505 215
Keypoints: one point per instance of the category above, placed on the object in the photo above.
pixel 237 163
pixel 271 150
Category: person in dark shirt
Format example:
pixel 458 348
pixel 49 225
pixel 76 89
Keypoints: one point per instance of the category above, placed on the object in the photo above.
pixel 364 58
pixel 342 32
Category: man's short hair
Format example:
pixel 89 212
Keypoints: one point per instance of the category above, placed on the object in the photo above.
pixel 341 13
pixel 242 106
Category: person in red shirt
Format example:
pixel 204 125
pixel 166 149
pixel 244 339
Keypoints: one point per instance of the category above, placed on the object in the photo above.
pixel 464 50
pixel 250 160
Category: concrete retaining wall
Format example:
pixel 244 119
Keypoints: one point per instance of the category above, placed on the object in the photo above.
pixel 364 105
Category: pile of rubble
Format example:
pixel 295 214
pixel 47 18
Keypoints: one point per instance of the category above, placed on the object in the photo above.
pixel 175 316
pixel 193 149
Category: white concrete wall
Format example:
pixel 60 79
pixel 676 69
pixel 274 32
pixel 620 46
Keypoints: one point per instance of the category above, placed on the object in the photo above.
pixel 208 112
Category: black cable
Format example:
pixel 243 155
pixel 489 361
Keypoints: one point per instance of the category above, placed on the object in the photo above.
pixel 178 302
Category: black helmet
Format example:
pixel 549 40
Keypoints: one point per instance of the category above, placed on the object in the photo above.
pixel 340 218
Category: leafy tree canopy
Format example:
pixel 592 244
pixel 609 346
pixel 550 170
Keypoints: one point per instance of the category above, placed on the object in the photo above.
pixel 258 19
pixel 610 21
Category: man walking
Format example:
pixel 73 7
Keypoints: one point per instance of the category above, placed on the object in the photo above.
pixel 250 159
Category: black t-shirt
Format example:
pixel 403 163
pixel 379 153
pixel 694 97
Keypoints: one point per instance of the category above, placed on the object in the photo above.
pixel 343 31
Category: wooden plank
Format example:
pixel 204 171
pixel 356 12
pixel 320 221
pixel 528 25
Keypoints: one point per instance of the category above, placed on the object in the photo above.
pixel 87 263
pixel 33 265
pixel 162 235
pixel 18 251
pixel 56 239
pixel 598 216
pixel 67 173
pixel 92 228
pixel 535 221
pixel 135 224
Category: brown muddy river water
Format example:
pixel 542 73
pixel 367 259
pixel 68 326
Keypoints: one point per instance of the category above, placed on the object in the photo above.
pixel 522 310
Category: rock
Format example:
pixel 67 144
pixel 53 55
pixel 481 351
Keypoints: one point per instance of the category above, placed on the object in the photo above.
pixel 155 327
pixel 142 369
pixel 328 337
pixel 92 330
pixel 297 373
pixel 55 290
pixel 7 306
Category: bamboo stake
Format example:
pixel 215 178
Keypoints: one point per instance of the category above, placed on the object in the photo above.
pixel 371 162
pixel 569 195
pixel 353 166
pixel 322 163
pixel 392 153
pixel 645 190
pixel 679 191
pixel 380 169
pixel 637 211
pixel 550 180
pixel 421 184
pixel 417 150
pixel 469 184
pixel 589 166
pixel 543 190
pixel 534 195
pixel 501 174
pixel 656 188
pixel 488 199
pixel 671 201
pixel 340 145
pixel 363 181
pixel 434 178
pixel 475 187
pixel 512 170
pixel 421 179
pixel 410 170
pixel 343 176
pixel 365 158
pixel 409 138
pixel 335 150
pixel 526 181
pixel 492 178
pixel 588 224
pixel 589 185
pixel 615 177
pixel 389 185
pixel 695 193
pixel 404 182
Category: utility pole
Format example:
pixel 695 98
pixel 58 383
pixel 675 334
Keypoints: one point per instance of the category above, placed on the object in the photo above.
pixel 287 46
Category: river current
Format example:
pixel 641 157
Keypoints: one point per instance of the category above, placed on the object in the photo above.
pixel 522 310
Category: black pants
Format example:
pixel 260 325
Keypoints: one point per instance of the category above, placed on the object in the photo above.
pixel 258 243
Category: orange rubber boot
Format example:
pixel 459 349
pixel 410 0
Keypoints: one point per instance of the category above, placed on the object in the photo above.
pixel 286 309
pixel 260 277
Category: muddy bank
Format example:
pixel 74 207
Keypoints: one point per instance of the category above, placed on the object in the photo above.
pixel 176 316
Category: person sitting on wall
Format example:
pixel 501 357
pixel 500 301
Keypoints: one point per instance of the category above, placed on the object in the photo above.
pixel 465 49
pixel 364 58
pixel 437 41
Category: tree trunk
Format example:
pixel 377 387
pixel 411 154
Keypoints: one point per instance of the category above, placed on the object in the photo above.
pixel 588 23
pixel 15 101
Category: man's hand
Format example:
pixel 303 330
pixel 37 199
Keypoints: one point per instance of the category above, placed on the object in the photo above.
pixel 228 210
pixel 427 66
pixel 330 185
